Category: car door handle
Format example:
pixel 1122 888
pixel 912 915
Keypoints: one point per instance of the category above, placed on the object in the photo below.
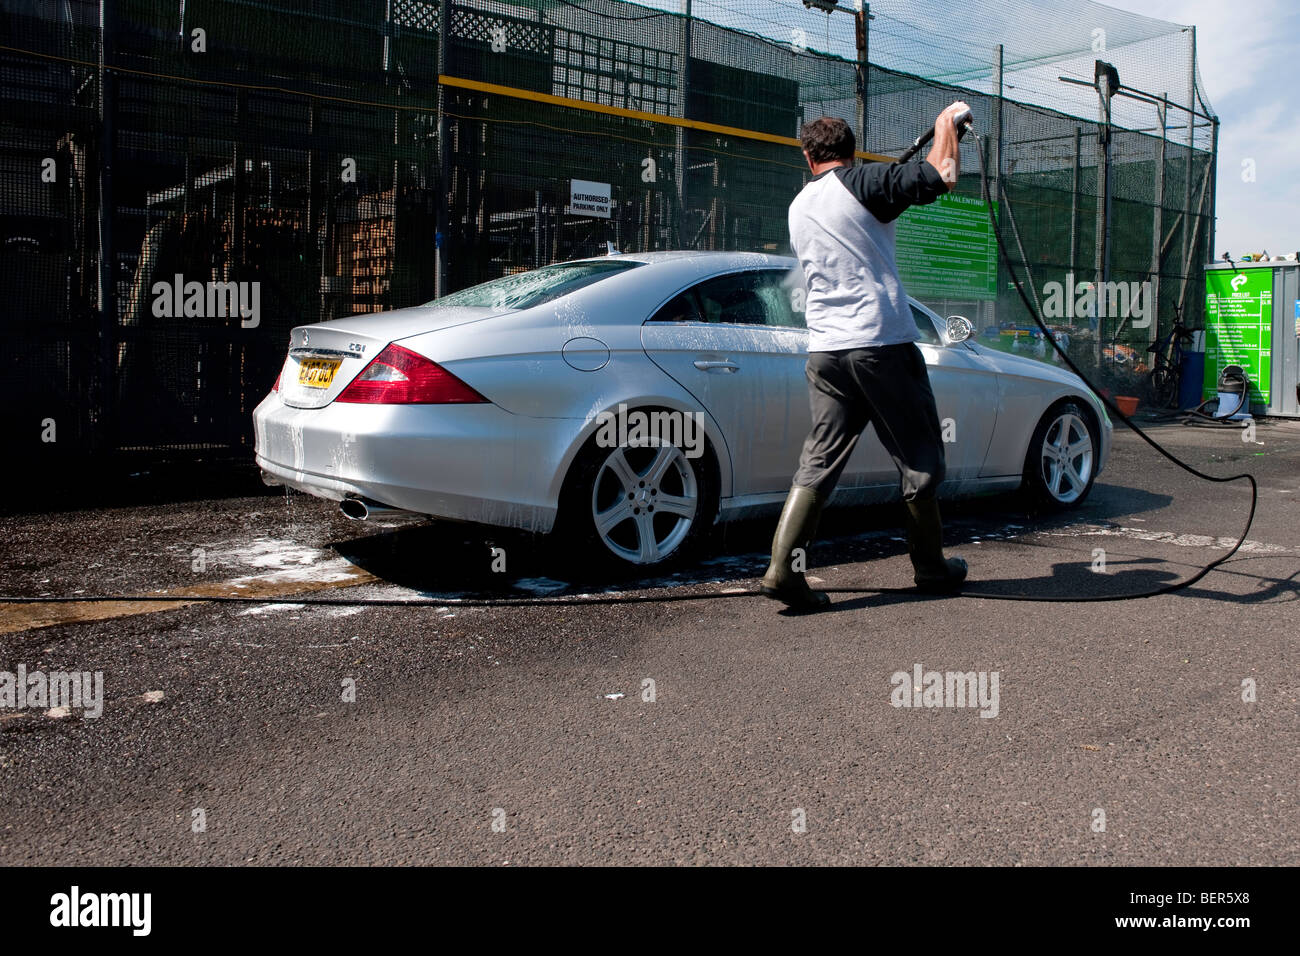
pixel 706 366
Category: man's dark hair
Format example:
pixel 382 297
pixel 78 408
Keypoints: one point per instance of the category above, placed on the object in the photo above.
pixel 828 139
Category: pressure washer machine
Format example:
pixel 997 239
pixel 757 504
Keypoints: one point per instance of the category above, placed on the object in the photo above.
pixel 1232 402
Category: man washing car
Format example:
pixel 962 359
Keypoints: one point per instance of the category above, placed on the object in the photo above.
pixel 863 364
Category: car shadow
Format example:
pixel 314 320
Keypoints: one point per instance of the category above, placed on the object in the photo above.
pixel 449 558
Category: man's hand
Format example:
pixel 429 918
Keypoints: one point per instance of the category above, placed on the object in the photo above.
pixel 945 154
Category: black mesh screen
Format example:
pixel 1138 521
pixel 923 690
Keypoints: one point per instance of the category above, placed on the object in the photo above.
pixel 294 144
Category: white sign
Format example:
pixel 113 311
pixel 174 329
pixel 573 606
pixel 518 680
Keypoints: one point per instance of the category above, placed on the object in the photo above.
pixel 588 199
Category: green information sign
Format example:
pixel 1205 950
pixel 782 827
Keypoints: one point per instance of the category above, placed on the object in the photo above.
pixel 1239 327
pixel 946 250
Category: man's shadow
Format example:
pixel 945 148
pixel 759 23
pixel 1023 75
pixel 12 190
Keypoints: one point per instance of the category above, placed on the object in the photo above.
pixel 1078 582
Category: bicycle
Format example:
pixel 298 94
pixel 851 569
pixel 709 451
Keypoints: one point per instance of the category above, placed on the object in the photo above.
pixel 1166 376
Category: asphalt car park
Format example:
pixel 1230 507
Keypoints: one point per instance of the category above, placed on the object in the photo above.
pixel 708 727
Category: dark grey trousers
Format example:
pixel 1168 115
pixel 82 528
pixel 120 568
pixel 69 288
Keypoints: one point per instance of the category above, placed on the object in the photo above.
pixel 886 386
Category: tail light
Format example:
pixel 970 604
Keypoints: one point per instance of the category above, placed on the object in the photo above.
pixel 276 386
pixel 398 376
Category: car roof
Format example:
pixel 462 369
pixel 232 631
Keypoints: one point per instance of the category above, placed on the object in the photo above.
pixel 690 261
pixel 721 259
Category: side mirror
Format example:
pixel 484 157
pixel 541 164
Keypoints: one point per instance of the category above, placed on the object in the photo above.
pixel 959 329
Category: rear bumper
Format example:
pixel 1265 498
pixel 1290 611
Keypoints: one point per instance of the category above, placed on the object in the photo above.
pixel 474 463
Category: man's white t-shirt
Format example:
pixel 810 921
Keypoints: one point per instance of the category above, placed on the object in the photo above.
pixel 842 231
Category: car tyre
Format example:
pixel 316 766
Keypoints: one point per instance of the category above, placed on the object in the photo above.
pixel 642 508
pixel 1061 463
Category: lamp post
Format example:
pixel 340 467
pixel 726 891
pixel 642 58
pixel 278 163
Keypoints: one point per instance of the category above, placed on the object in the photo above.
pixel 862 40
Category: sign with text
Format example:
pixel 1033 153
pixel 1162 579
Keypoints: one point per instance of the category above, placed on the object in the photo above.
pixel 1239 327
pixel 588 199
pixel 946 250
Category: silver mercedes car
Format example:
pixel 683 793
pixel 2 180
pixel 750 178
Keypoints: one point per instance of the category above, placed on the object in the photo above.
pixel 628 403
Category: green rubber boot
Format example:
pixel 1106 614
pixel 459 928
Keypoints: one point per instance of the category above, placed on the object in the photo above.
pixel 934 573
pixel 796 528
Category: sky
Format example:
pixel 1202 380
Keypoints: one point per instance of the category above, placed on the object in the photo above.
pixel 1249 57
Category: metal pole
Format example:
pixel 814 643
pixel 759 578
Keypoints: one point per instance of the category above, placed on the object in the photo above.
pixel 313 208
pixel 107 260
pixel 441 217
pixel 1157 226
pixel 1196 231
pixel 1099 238
pixel 1101 261
pixel 862 38
pixel 1191 139
pixel 997 122
pixel 1074 204
pixel 239 157
pixel 1107 193
pixel 395 299
pixel 713 210
pixel 537 228
pixel 683 86
pixel 1214 180
pixel 866 74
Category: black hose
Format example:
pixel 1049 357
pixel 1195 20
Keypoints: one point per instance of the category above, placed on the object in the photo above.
pixel 1111 406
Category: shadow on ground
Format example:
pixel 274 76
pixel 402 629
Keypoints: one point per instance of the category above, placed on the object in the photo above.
pixel 441 557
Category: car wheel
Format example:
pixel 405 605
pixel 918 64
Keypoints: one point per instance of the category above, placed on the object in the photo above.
pixel 1061 463
pixel 646 507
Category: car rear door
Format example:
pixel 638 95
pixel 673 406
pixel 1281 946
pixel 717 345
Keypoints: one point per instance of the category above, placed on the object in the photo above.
pixel 734 343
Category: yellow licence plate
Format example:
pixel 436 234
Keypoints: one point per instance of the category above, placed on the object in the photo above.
pixel 317 373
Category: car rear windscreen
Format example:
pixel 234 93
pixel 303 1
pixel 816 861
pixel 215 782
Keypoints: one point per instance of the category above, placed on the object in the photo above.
pixel 527 289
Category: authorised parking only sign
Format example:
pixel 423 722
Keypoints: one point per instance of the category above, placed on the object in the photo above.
pixel 588 199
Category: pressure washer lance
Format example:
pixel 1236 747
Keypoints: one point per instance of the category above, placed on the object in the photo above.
pixel 962 121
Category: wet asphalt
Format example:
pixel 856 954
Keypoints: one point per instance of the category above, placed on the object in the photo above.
pixel 707 729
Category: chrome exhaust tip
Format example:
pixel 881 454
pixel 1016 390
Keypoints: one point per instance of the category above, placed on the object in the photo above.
pixel 359 509
pixel 354 508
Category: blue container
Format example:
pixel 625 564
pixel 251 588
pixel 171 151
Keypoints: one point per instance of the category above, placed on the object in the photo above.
pixel 1193 380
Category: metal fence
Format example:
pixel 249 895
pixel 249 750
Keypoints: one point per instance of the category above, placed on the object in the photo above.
pixel 347 157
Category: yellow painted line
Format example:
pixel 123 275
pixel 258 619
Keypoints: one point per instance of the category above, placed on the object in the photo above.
pixel 26 617
pixel 664 118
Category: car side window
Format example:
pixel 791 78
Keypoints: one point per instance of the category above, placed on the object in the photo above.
pixel 929 334
pixel 756 297
pixel 779 290
pixel 732 299
pixel 680 308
